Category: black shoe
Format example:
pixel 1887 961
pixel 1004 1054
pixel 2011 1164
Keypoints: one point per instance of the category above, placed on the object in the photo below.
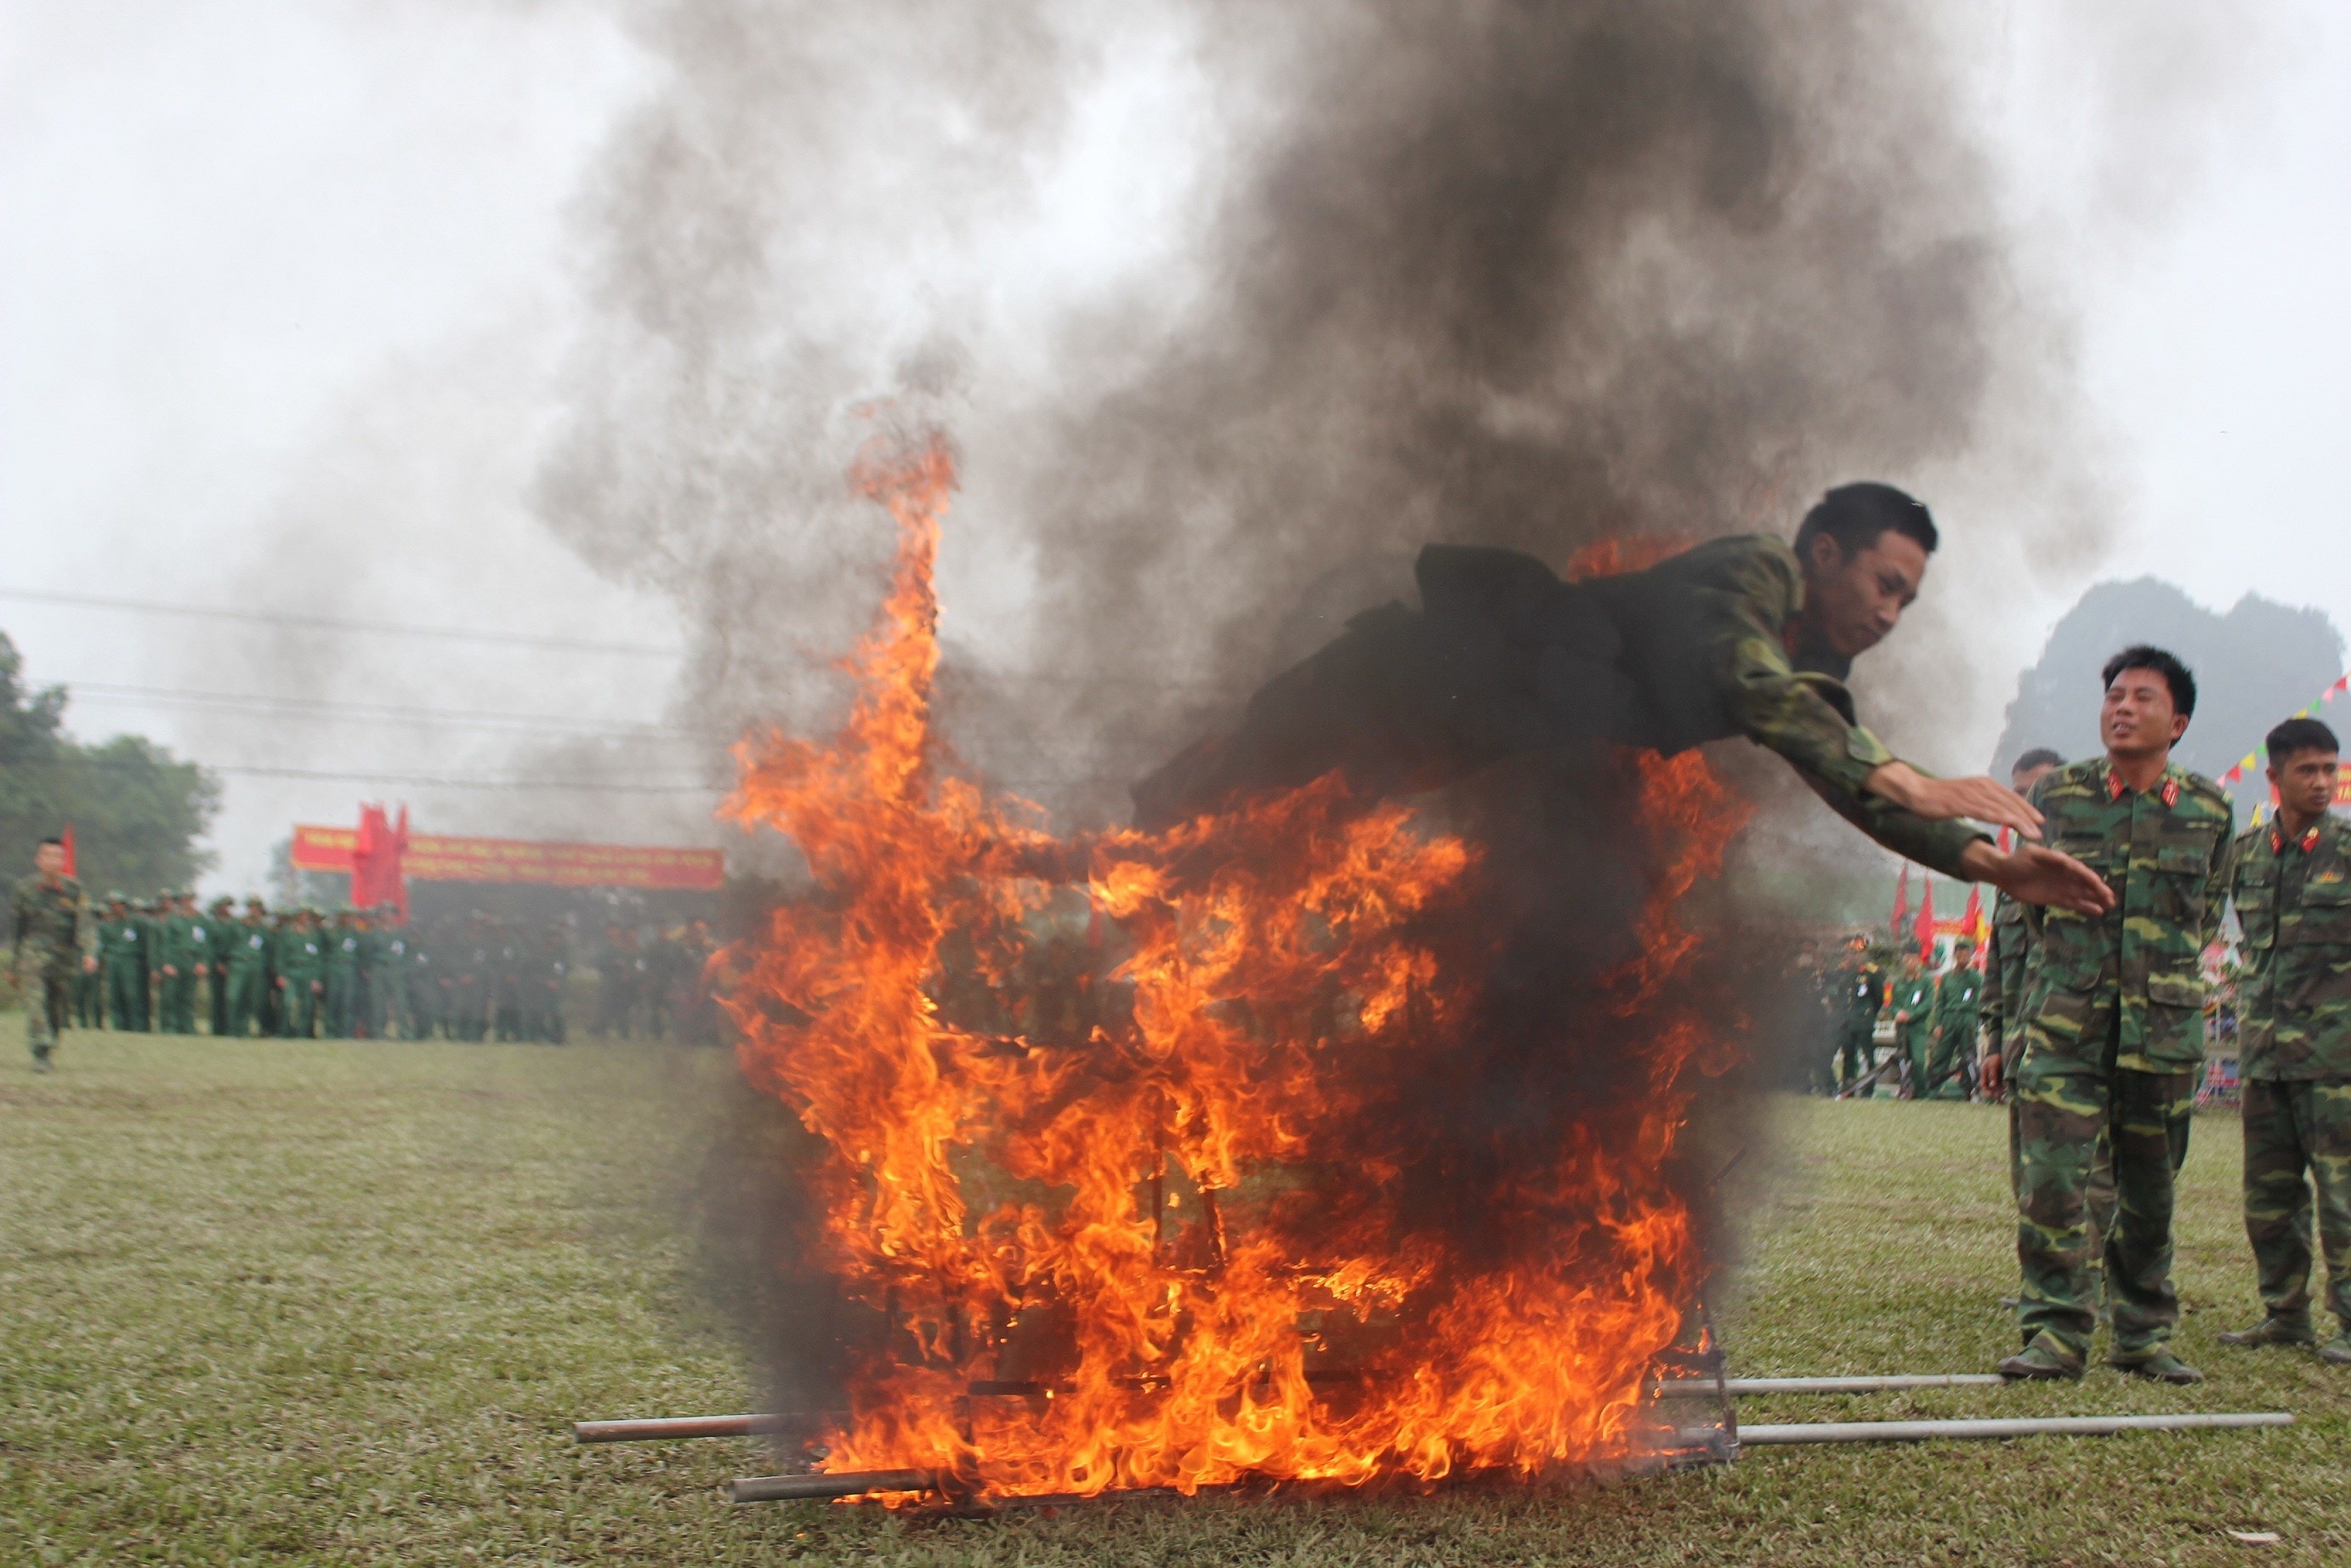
pixel 2044 1359
pixel 2272 1330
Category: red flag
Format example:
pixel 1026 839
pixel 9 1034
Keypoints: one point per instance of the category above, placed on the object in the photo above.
pixel 1925 927
pixel 376 862
pixel 70 862
pixel 1902 900
pixel 1972 922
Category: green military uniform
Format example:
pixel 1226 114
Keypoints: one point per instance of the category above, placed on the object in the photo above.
pixel 427 973
pixel 387 983
pixel 300 954
pixel 174 962
pixel 2294 1032
pixel 244 948
pixel 1959 1000
pixel 2114 1033
pixel 551 962
pixel 219 931
pixel 1913 1006
pixel 50 934
pixel 124 942
pixel 340 944
pixel 1861 989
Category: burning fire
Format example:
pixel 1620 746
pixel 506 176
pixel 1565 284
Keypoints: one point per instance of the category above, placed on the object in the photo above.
pixel 1132 1184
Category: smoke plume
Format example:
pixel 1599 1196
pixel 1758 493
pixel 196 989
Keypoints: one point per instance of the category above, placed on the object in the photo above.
pixel 1233 310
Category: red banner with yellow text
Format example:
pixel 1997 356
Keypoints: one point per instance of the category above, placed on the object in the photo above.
pixel 444 857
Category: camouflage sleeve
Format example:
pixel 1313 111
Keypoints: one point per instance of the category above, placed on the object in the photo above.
pixel 18 918
pixel 2217 880
pixel 1936 845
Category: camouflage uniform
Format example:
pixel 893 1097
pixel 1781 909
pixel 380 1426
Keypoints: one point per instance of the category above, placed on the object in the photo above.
pixel 51 934
pixel 1861 986
pixel 2293 900
pixel 1506 659
pixel 2114 1031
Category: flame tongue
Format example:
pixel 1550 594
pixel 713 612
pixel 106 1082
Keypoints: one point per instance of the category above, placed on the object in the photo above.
pixel 1171 1194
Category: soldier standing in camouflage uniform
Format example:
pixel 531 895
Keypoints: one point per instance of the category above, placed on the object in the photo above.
pixel 2114 1028
pixel 2293 888
pixel 52 941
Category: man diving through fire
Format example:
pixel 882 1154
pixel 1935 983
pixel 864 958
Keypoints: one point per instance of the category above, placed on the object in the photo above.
pixel 1741 636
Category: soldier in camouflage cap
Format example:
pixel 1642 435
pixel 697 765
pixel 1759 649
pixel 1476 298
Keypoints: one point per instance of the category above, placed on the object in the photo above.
pixel 2114 1028
pixel 2293 888
pixel 52 939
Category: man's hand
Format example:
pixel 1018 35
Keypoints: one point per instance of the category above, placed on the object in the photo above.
pixel 1984 798
pixel 2033 875
pixel 89 965
pixel 1991 1084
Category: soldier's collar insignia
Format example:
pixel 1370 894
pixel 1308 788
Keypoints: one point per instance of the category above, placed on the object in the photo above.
pixel 2171 791
pixel 2310 839
pixel 2114 783
pixel 2277 842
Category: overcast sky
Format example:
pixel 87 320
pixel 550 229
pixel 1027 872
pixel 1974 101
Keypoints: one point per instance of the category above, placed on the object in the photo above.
pixel 284 287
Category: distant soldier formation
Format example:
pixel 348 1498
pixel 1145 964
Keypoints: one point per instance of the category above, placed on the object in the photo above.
pixel 164 966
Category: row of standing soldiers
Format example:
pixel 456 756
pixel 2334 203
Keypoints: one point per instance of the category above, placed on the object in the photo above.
pixel 162 965
pixel 1936 1018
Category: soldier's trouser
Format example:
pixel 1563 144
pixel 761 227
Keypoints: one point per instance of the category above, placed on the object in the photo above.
pixel 342 1002
pixel 2298 1135
pixel 2062 1107
pixel 126 996
pixel 177 994
pixel 247 992
pixel 1852 1051
pixel 374 1005
pixel 298 1011
pixel 216 998
pixel 90 999
pixel 49 999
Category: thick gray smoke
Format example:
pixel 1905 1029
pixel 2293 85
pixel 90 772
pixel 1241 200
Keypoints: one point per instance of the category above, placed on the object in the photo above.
pixel 1511 274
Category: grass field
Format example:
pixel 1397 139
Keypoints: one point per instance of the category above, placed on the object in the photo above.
pixel 332 1303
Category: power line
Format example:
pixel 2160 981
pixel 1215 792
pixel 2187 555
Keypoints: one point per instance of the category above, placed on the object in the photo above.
pixel 330 623
pixel 258 704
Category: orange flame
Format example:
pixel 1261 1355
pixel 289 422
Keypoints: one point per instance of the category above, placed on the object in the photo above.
pixel 1156 1188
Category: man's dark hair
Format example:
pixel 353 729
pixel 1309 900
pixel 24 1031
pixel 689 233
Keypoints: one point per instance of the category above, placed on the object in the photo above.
pixel 2299 735
pixel 2039 756
pixel 1855 515
pixel 45 843
pixel 2175 675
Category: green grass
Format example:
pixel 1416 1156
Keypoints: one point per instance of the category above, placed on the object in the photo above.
pixel 337 1303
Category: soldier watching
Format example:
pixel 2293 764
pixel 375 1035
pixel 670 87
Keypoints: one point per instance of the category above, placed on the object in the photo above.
pixel 2114 1028
pixel 2293 888
pixel 1861 987
pixel 52 940
pixel 1959 1000
pixel 124 940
